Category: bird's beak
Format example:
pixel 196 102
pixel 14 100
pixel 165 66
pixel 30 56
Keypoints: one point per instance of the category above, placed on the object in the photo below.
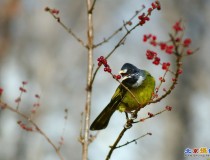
pixel 124 74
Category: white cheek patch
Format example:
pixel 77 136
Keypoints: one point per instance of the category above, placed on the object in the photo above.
pixel 139 82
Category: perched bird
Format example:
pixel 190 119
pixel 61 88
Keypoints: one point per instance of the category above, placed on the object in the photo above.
pixel 139 82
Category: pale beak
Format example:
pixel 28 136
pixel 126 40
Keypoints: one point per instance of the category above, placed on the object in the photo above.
pixel 123 73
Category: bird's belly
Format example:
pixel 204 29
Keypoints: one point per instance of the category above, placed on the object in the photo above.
pixel 143 95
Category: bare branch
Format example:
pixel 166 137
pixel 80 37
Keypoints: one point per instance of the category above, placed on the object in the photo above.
pixel 143 119
pixel 118 44
pixel 113 147
pixel 135 140
pixel 120 29
pixel 5 106
pixel 66 28
pixel 92 7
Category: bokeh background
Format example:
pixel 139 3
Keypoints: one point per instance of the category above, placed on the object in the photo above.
pixel 35 48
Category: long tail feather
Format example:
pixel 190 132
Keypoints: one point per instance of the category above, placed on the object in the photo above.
pixel 103 118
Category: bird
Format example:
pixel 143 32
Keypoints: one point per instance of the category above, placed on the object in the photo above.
pixel 140 82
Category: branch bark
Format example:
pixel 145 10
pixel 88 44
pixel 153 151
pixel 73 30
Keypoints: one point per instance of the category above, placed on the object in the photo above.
pixel 85 141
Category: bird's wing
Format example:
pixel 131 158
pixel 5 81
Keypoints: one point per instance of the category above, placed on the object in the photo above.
pixel 103 118
pixel 117 97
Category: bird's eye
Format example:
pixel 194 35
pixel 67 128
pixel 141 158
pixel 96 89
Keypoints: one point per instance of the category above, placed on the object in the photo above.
pixel 129 71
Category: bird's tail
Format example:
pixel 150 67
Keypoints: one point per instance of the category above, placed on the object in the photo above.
pixel 103 118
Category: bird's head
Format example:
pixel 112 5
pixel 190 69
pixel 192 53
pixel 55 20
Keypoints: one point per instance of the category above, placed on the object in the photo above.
pixel 132 76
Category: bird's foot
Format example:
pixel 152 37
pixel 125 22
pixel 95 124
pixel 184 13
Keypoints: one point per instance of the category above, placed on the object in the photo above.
pixel 133 115
pixel 128 125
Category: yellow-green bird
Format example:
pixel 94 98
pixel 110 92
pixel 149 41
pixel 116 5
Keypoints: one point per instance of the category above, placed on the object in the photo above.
pixel 139 82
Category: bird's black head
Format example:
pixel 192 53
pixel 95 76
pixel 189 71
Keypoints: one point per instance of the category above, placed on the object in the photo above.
pixel 132 76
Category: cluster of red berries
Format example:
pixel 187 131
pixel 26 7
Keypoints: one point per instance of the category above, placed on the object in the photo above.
pixel 144 18
pixel 165 65
pixel 169 49
pixel 177 26
pixel 151 55
pixel 102 61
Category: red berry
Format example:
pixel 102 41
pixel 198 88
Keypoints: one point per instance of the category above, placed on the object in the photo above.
pixel 154 5
pixel 173 79
pixel 1 91
pixel 158 5
pixel 180 71
pixel 149 10
pixel 156 61
pixel 118 76
pixel 168 108
pixel 24 82
pixel 163 46
pixel 189 51
pixel 187 42
pixel 165 65
pixel 151 54
pixel 99 63
pixel 144 38
pixel 154 38
pixel 169 49
pixel 109 70
pixel 22 89
pixel 177 26
pixel 146 18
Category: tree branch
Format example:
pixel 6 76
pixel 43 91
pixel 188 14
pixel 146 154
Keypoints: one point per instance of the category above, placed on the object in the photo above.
pixel 119 29
pixel 90 37
pixel 5 106
pixel 112 51
pixel 66 28
pixel 135 140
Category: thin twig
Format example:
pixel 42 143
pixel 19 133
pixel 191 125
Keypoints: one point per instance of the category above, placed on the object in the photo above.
pixel 112 51
pixel 143 119
pixel 92 7
pixel 5 106
pixel 135 140
pixel 119 29
pixel 161 82
pixel 66 28
pixel 115 143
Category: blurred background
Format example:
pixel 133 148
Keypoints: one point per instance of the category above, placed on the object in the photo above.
pixel 36 49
